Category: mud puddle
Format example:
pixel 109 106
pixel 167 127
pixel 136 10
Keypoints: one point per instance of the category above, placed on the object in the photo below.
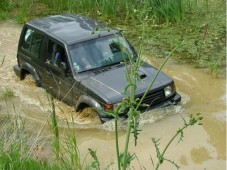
pixel 204 147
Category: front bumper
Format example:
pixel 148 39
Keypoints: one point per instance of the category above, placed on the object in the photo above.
pixel 172 101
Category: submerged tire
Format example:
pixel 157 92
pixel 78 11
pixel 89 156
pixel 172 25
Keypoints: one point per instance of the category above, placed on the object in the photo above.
pixel 89 113
pixel 29 79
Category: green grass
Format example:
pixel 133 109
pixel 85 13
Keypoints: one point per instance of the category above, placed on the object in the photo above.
pixel 15 152
pixel 3 15
pixel 7 93
pixel 201 24
pixel 161 11
pixel 203 29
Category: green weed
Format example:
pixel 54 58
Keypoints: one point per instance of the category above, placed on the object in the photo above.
pixel 168 21
pixel 24 11
pixel 95 164
pixel 3 15
pixel 15 152
pixel 214 67
pixel 7 93
pixel 167 10
pixel 66 151
pixel 193 120
pixel 72 153
pixel 54 127
pixel 132 68
pixel 6 5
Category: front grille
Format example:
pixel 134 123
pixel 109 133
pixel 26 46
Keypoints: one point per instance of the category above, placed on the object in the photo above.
pixel 153 98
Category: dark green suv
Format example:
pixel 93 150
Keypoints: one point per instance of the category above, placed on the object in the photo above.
pixel 83 67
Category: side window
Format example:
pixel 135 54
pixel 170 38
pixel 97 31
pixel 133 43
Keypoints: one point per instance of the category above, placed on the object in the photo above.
pixel 57 55
pixel 36 44
pixel 32 42
pixel 27 39
pixel 51 52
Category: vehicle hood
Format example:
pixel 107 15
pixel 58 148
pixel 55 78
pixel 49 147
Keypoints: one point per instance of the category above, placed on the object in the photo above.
pixel 111 84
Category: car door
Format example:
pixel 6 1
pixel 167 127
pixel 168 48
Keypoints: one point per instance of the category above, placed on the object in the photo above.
pixel 29 52
pixel 60 81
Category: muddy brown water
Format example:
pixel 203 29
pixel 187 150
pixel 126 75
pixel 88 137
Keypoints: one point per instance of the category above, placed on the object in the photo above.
pixel 203 147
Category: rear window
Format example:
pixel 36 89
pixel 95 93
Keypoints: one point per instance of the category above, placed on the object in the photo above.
pixel 32 42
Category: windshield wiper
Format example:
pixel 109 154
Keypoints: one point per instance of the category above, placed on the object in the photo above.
pixel 101 67
pixel 111 64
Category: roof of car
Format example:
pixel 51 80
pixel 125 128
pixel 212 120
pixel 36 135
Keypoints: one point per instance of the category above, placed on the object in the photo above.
pixel 70 28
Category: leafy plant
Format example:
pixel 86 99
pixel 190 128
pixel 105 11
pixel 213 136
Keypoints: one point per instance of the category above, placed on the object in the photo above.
pixel 6 5
pixel 23 11
pixel 167 10
pixel 15 152
pixel 3 15
pixel 193 120
pixel 214 66
pixel 132 76
pixel 72 152
pixel 7 94
pixel 54 128
pixel 95 164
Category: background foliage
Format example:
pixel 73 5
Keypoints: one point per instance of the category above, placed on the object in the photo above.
pixel 201 24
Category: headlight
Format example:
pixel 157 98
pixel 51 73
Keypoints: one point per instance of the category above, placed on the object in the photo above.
pixel 114 107
pixel 108 107
pixel 169 90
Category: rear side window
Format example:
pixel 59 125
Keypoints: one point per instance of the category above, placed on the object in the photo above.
pixel 32 42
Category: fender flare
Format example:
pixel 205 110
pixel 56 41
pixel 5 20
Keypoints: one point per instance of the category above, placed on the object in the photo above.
pixel 28 67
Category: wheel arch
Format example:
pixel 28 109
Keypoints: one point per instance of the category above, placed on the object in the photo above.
pixel 27 68
pixel 86 101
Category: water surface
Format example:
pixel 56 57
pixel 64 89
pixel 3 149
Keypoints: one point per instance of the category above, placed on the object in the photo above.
pixel 204 147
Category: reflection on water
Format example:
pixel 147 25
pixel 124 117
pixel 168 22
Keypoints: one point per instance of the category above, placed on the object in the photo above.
pixel 204 147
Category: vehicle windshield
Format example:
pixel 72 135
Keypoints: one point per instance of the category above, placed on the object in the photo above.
pixel 99 52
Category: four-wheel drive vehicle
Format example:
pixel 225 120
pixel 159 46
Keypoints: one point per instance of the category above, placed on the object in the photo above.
pixel 83 67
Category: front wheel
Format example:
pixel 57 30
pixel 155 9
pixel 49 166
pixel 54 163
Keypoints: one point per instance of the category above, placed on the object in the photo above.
pixel 89 114
pixel 29 79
